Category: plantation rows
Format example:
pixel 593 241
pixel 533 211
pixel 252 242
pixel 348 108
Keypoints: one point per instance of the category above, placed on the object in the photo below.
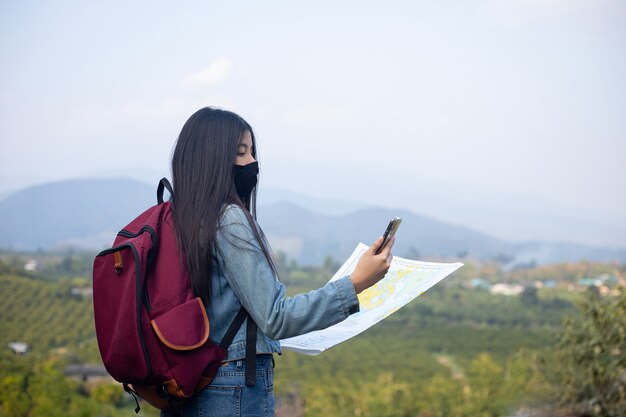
pixel 452 352
pixel 43 315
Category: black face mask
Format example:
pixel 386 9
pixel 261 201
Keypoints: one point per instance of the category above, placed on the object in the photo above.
pixel 245 179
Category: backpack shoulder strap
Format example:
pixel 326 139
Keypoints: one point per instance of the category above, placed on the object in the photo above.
pixel 250 352
pixel 234 328
pixel 251 330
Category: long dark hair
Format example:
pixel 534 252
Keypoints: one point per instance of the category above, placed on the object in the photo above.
pixel 202 174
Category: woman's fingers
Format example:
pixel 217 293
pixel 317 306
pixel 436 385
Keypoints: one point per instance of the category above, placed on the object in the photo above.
pixel 376 244
pixel 387 249
pixel 372 268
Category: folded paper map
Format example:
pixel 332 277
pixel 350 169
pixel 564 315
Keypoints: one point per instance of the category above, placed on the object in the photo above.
pixel 405 281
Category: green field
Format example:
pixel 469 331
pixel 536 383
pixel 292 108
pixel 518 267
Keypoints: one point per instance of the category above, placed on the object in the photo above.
pixel 454 351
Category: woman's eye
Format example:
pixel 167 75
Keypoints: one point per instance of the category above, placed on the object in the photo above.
pixel 241 154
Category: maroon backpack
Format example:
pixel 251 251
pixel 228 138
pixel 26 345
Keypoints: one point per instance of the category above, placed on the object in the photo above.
pixel 152 331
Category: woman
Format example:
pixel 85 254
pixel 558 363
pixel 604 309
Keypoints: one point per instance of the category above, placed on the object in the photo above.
pixel 214 171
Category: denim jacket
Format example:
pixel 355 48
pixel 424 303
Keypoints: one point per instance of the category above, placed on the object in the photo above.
pixel 242 276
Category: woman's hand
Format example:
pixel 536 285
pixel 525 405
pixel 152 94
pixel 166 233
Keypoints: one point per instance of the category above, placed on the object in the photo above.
pixel 372 268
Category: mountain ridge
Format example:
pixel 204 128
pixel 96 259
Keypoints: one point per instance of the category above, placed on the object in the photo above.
pixel 87 213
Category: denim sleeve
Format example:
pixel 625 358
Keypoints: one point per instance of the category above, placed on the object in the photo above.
pixel 261 293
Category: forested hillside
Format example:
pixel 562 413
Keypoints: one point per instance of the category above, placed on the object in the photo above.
pixel 455 351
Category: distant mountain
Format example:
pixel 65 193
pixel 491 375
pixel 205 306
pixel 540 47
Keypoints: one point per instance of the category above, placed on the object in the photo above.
pixel 505 214
pixel 84 213
pixel 310 237
pixel 87 214
pixel 332 207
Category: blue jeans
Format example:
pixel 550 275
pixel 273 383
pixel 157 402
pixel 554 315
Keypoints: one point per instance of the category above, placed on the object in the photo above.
pixel 229 396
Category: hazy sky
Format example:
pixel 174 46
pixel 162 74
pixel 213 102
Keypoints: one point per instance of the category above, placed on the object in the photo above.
pixel 527 96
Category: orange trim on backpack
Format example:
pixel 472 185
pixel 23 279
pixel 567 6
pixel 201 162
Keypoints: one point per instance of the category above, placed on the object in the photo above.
pixel 118 262
pixel 149 394
pixel 172 388
pixel 183 348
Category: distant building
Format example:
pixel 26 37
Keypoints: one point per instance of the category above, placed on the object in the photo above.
pixel 86 372
pixel 506 289
pixel 18 348
pixel 480 283
pixel 549 283
pixel 86 292
pixel 31 266
pixel 589 282
pixel 608 279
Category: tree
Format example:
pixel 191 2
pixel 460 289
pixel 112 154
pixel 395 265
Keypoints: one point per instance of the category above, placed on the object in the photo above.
pixel 529 295
pixel 13 400
pixel 592 358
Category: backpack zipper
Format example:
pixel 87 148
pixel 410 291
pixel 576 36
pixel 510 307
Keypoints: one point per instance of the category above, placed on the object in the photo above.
pixel 138 302
pixel 151 255
pixel 146 228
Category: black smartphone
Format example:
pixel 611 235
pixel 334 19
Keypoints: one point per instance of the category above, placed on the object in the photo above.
pixel 392 227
